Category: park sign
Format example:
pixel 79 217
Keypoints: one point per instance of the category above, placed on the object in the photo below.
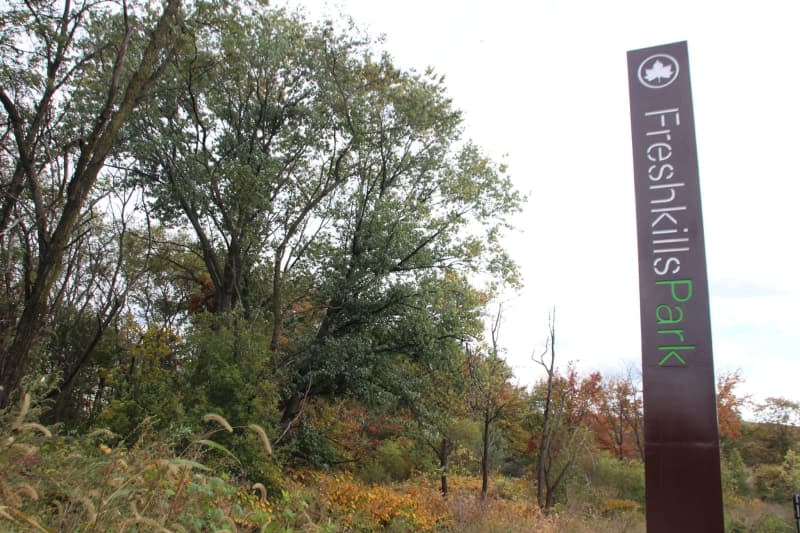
pixel 682 468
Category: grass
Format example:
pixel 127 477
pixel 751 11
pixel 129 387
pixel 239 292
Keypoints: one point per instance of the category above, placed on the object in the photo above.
pixel 94 483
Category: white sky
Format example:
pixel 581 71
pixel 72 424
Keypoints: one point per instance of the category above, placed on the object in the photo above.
pixel 543 86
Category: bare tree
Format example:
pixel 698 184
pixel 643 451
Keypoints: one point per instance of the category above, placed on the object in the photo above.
pixel 542 485
pixel 492 394
pixel 565 407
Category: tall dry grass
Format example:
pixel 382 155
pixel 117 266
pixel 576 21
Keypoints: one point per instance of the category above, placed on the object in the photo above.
pixel 94 483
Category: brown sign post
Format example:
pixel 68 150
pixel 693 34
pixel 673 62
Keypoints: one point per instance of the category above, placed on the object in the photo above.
pixel 682 468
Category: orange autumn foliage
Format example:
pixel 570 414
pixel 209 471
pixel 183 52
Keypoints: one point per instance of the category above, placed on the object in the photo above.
pixel 378 506
pixel 617 420
pixel 729 405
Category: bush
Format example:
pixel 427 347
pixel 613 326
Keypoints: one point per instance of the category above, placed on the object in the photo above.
pixel 790 472
pixel 615 505
pixel 744 515
pixel 412 506
pixel 735 477
pixel 619 480
pixel 769 485
pixel 393 460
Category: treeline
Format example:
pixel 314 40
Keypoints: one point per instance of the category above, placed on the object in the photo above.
pixel 217 207
pixel 219 218
pixel 233 207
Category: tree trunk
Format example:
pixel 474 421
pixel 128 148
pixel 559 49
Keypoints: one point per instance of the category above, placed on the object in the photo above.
pixel 549 500
pixel 14 363
pixel 540 480
pixel 544 444
pixel 485 458
pixel 292 408
pixel 277 302
pixel 639 445
pixel 444 459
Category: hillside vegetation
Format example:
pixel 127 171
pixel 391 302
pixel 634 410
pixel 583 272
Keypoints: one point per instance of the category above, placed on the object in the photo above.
pixel 247 265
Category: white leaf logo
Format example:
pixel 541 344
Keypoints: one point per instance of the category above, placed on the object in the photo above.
pixel 658 71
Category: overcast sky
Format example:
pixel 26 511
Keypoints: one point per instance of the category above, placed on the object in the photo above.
pixel 543 87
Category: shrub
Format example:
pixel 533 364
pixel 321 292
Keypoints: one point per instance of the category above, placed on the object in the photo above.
pixel 393 460
pixel 735 477
pixel 622 480
pixel 412 506
pixel 790 472
pixel 769 485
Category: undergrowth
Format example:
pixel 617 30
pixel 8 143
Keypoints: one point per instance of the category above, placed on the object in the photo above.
pixel 96 482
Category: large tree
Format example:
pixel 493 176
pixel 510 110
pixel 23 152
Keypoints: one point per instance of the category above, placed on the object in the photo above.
pixel 246 141
pixel 289 179
pixel 328 191
pixel 422 213
pixel 72 75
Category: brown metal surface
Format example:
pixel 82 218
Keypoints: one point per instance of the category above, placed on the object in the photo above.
pixel 682 469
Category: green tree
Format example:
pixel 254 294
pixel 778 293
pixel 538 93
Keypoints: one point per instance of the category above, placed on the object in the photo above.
pixel 779 418
pixel 103 267
pixel 328 191
pixel 790 471
pixel 735 476
pixel 440 412
pixel 137 375
pixel 247 139
pixel 72 76
pixel 288 179
pixel 419 214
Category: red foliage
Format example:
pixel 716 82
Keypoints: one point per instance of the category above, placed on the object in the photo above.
pixel 617 417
